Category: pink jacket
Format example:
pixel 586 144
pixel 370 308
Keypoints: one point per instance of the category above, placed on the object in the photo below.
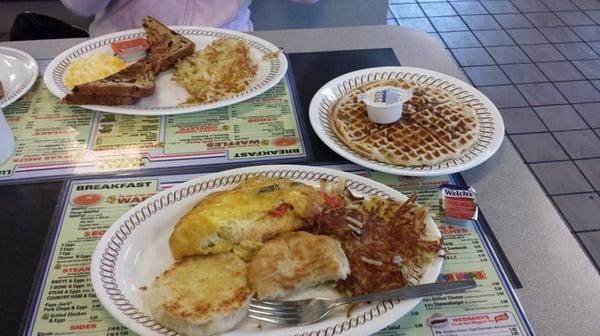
pixel 116 15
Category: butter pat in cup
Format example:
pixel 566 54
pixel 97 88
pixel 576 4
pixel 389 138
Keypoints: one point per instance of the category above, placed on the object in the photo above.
pixel 385 103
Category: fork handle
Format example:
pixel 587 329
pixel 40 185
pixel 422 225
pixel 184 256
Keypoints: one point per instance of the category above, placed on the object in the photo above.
pixel 412 292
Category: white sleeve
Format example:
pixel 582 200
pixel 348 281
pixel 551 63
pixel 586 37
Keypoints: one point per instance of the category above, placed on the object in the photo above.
pixel 306 2
pixel 85 7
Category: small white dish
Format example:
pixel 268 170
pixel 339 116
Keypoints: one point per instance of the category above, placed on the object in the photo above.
pixel 18 72
pixel 385 103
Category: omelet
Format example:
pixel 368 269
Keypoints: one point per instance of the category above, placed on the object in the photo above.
pixel 241 219
pixel 90 68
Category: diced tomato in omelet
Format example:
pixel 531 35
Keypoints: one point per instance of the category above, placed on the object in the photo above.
pixel 241 219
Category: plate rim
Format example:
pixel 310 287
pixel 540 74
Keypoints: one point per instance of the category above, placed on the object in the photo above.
pixel 350 155
pixel 339 328
pixel 25 87
pixel 173 110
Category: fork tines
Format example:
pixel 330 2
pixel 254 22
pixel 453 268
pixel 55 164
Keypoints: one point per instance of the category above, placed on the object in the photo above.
pixel 279 312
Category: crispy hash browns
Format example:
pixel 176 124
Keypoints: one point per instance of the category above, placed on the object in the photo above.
pixel 384 240
pixel 222 69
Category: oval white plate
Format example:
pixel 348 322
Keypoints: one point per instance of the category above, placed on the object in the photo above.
pixel 168 95
pixel 134 250
pixel 491 126
pixel 18 72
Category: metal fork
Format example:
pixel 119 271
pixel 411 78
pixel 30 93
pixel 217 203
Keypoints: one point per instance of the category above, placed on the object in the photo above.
pixel 301 312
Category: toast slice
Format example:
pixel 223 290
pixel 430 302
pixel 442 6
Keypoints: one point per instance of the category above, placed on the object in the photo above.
pixel 81 99
pixel 294 261
pixel 166 46
pixel 1 90
pixel 202 295
pixel 136 80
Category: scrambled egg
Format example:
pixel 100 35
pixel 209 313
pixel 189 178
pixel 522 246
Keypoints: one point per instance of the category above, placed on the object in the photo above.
pixel 241 219
pixel 91 68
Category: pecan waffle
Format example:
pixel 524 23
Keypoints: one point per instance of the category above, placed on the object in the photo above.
pixel 434 127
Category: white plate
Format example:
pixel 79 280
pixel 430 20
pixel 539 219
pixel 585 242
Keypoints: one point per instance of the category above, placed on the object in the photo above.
pixel 491 126
pixel 134 250
pixel 18 72
pixel 168 94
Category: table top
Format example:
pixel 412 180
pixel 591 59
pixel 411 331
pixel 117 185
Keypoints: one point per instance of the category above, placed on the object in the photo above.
pixel 560 288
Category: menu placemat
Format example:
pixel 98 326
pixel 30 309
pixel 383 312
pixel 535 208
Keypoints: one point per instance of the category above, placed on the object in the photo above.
pixel 65 302
pixel 58 140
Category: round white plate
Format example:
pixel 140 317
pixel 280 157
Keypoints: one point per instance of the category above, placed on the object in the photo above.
pixel 18 72
pixel 491 126
pixel 134 250
pixel 168 95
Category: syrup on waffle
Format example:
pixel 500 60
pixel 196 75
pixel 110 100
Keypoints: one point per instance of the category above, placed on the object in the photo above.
pixel 435 126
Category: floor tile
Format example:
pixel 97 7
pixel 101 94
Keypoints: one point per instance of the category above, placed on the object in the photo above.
pixel 504 96
pixel 468 8
pixel 579 92
pixel 591 170
pixel 406 11
pixel 560 117
pixel 577 51
pixel 595 15
pixel 480 22
pixel 588 33
pixel 417 23
pixel 472 56
pixel 595 46
pixel 449 23
pixel 546 19
pixel 543 52
pixel 499 7
pixel 527 36
pixel 541 94
pixel 590 69
pixel 559 34
pixel 538 147
pixel 513 21
pixel 486 75
pixel 560 5
pixel 580 144
pixel 495 37
pixel 560 71
pixel 596 83
pixel 521 120
pixel 524 73
pixel 438 9
pixel 527 6
pixel 508 54
pixel 389 14
pixel 560 177
pixel 462 39
pixel 587 4
pixel 591 242
pixel 582 211
pixel 576 18
pixel 589 112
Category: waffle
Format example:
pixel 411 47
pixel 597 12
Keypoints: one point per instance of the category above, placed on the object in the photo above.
pixel 434 127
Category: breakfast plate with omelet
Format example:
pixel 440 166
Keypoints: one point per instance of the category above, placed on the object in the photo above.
pixel 18 72
pixel 189 259
pixel 160 70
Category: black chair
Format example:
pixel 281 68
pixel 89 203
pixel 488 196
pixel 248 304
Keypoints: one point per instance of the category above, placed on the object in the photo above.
pixel 32 26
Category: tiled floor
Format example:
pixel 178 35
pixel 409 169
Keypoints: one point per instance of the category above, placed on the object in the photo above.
pixel 539 61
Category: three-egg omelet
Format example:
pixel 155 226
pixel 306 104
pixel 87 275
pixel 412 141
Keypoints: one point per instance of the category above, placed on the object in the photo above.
pixel 241 219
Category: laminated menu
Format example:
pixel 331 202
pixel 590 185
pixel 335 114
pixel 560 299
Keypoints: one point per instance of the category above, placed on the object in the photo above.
pixel 65 302
pixel 55 139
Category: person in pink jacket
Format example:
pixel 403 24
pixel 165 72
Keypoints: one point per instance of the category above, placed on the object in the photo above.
pixel 116 15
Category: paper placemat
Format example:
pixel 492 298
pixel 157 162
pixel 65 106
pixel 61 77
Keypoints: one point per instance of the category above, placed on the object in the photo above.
pixel 65 301
pixel 58 140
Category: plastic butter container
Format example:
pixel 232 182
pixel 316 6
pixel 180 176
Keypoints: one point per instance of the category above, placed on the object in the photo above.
pixel 131 50
pixel 385 103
